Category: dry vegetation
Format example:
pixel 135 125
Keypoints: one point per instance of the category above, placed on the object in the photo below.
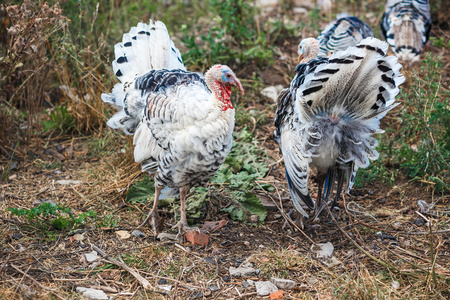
pixel 55 62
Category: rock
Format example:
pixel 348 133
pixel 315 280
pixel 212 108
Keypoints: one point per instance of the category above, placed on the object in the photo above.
pixel 138 233
pixel 278 295
pixel 165 287
pixel 284 284
pixel 212 226
pixel 92 293
pixel 210 260
pixel 395 285
pixel 78 237
pixel 196 295
pixel 164 237
pixel 162 281
pixel 123 234
pixel 197 237
pixel 67 182
pixel 14 176
pixel 323 250
pixel 254 218
pixel 272 92
pixel 300 11
pixel 17 236
pixel 213 288
pixel 265 288
pixel 13 165
pixel 243 271
pixel 91 256
pixel 312 280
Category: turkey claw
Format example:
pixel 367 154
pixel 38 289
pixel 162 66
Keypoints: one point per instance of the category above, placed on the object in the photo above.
pixel 152 218
pixel 182 228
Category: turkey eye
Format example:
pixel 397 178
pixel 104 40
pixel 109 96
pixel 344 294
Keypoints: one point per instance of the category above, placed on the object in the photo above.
pixel 228 75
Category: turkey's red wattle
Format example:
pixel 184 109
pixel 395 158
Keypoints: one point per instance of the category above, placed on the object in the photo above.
pixel 223 93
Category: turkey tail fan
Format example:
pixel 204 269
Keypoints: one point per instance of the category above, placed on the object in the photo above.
pixel 406 26
pixel 341 103
pixel 145 48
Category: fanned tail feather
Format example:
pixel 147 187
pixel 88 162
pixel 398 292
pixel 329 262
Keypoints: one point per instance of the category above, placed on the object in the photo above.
pixel 144 48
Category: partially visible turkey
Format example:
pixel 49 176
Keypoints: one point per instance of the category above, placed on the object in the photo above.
pixel 406 26
pixel 327 117
pixel 182 122
pixel 341 34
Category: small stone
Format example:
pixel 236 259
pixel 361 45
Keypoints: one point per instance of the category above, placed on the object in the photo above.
pixel 261 246
pixel 312 280
pixel 242 272
pixel 383 200
pixel 92 294
pixel 419 222
pixel 14 176
pixel 91 256
pixel 254 218
pixel 265 288
pixel 138 233
pixel 246 264
pixel 13 165
pixel 245 284
pixel 395 285
pixel 246 243
pixel 226 278
pixel 196 295
pixel 197 238
pixel 67 182
pixel 323 249
pixel 284 284
pixel 17 236
pixel 123 234
pixel 210 260
pixel 215 251
pixel 213 288
pixel 164 237
pixel 250 282
pixel 165 287
pixel 300 11
pixel 277 216
pixel 162 281
pixel 278 295
pixel 78 237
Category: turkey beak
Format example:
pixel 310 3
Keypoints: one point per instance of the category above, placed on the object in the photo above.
pixel 300 58
pixel 237 84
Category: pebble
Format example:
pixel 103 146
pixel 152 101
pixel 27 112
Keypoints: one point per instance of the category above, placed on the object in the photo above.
pixel 91 256
pixel 196 295
pixel 164 237
pixel 67 182
pixel 123 234
pixel 210 260
pixel 162 281
pixel 243 272
pixel 265 288
pixel 138 233
pixel 213 288
pixel 419 222
pixel 17 236
pixel 323 249
pixel 166 287
pixel 284 284
pixel 92 294
pixel 254 218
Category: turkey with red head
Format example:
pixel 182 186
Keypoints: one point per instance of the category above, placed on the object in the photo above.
pixel 182 121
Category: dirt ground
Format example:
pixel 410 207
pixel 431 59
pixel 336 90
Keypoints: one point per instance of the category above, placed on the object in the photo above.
pixel 385 245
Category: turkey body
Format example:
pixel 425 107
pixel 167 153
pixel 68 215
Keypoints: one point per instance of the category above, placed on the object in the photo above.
pixel 341 34
pixel 327 117
pixel 182 121
pixel 406 26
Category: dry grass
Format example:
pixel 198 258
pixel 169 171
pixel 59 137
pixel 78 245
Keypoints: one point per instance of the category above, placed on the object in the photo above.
pixel 409 260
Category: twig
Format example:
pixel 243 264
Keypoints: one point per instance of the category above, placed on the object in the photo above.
pixel 400 232
pixel 389 266
pixel 282 212
pixel 124 266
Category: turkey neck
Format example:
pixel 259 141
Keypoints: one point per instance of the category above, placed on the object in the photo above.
pixel 221 91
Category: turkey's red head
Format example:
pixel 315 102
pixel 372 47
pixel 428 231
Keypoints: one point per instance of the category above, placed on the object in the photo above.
pixel 220 79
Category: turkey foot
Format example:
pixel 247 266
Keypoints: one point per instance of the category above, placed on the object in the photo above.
pixel 152 219
pixel 182 227
pixel 153 216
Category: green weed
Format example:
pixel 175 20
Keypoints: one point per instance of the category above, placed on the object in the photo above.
pixel 57 216
pixel 59 120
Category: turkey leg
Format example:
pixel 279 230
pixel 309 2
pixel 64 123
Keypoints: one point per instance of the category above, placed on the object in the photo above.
pixel 153 216
pixel 182 225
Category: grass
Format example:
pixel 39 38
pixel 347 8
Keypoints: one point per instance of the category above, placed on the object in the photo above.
pixel 61 103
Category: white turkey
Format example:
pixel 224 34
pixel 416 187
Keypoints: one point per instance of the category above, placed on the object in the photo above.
pixel 327 117
pixel 341 34
pixel 406 26
pixel 182 122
